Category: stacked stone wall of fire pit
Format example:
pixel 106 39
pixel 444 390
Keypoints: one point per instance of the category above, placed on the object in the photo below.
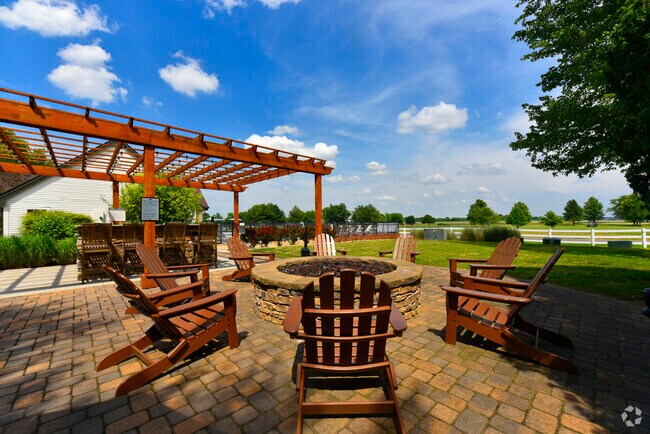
pixel 274 290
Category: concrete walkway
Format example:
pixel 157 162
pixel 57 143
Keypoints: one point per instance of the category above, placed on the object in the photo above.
pixel 52 341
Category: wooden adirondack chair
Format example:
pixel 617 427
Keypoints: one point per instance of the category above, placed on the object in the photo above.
pixel 324 246
pixel 406 247
pixel 495 267
pixel 206 243
pixel 345 340
pixel 191 326
pixel 96 250
pixel 244 259
pixel 132 235
pixel 174 243
pixel 475 310
pixel 165 276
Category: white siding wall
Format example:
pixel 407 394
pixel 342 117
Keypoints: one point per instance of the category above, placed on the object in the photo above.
pixel 61 194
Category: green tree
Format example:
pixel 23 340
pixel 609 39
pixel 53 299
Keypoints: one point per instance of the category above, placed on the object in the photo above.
pixel 310 216
pixel 573 212
pixel 217 216
pixel 336 213
pixel 296 215
pixel 551 219
pixel 593 210
pixel 409 220
pixel 428 219
pixel 630 208
pixel 265 212
pixel 230 216
pixel 394 217
pixel 519 215
pixel 598 116
pixel 177 204
pixel 367 213
pixel 481 214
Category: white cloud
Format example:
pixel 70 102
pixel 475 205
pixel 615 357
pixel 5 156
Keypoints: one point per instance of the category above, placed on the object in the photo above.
pixel 386 197
pixel 188 77
pixel 483 189
pixel 151 102
pixel 282 130
pixel 377 168
pixel 340 178
pixel 484 169
pixel 517 123
pixel 432 120
pixel 53 17
pixel 366 190
pixel 434 179
pixel 85 74
pixel 320 150
pixel 228 5
pixel 438 192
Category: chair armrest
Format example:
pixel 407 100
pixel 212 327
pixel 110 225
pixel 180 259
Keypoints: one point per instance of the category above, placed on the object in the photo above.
pixel 198 304
pixel 471 280
pixel 271 256
pixel 414 254
pixel 185 267
pixel 473 268
pixel 383 254
pixel 499 298
pixel 342 252
pixel 453 262
pixel 293 317
pixel 191 289
pixel 397 321
pixel 240 258
pixel 173 275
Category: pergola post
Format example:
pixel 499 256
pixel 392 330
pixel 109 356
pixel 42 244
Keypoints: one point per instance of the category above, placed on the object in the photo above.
pixel 318 203
pixel 116 194
pixel 149 191
pixel 235 213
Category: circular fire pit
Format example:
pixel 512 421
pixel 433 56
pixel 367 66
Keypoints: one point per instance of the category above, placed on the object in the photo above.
pixel 273 288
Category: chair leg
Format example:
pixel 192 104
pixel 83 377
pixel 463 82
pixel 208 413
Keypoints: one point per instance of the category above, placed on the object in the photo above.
pixel 143 377
pixel 551 360
pixel 392 386
pixel 237 274
pixel 152 335
pixel 547 335
pixel 300 381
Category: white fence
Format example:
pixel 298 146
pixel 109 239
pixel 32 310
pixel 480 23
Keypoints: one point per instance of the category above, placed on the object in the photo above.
pixel 577 236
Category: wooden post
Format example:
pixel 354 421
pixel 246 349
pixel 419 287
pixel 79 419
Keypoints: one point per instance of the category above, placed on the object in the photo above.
pixel 235 213
pixel 318 203
pixel 116 194
pixel 149 191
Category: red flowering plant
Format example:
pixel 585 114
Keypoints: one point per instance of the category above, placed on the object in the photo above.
pixel 266 234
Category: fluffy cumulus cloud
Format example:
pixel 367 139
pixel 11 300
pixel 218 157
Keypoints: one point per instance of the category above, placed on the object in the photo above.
pixel 85 75
pixel 282 130
pixel 377 168
pixel 53 17
pixel 340 178
pixel 211 6
pixel 386 197
pixel 483 169
pixel 187 76
pixel 319 150
pixel 432 120
pixel 434 179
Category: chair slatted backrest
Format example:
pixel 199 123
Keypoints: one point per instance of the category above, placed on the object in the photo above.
pixel 132 234
pixel 96 236
pixel 405 245
pixel 345 335
pixel 140 301
pixel 324 245
pixel 155 265
pixel 238 249
pixel 537 281
pixel 208 233
pixel 174 232
pixel 504 253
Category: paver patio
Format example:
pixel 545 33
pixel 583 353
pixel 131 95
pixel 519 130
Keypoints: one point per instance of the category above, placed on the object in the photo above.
pixel 51 343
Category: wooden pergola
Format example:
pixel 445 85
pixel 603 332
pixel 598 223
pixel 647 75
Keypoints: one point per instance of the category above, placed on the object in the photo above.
pixel 56 138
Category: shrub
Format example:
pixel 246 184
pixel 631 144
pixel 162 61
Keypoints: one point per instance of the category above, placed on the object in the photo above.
pixel 266 234
pixel 56 224
pixel 500 233
pixel 36 251
pixel 251 237
pixel 39 250
pixel 292 234
pixel 471 234
pixel 66 251
pixel 280 235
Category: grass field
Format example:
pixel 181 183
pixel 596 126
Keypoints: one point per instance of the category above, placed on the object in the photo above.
pixel 535 225
pixel 621 273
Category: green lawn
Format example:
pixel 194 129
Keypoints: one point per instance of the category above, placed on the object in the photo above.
pixel 621 273
pixel 536 225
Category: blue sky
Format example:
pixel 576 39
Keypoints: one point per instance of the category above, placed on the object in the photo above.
pixel 414 102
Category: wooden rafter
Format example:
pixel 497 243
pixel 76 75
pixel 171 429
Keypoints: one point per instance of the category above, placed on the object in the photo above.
pixel 225 171
pixel 84 154
pixel 116 152
pixel 186 166
pixel 270 174
pixel 48 143
pixel 168 160
pixel 135 165
pixel 242 174
pixel 207 169
pixel 11 145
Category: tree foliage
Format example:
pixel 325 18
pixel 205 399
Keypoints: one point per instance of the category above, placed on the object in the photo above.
pixel 394 217
pixel 551 219
pixel 177 204
pixel 593 209
pixel 630 208
pixel 266 213
pixel 409 220
pixel 336 213
pixel 598 116
pixel 519 215
pixel 296 215
pixel 573 211
pixel 481 214
pixel 428 219
pixel 367 213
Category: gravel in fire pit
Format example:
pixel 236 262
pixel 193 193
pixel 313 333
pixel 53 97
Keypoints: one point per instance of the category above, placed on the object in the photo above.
pixel 317 267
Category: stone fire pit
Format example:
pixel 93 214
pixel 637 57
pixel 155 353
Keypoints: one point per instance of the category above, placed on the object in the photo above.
pixel 273 289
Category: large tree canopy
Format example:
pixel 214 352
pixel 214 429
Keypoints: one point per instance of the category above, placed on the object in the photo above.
pixel 598 116
pixel 176 204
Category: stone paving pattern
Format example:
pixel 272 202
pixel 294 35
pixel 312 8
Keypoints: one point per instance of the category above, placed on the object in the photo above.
pixel 51 343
